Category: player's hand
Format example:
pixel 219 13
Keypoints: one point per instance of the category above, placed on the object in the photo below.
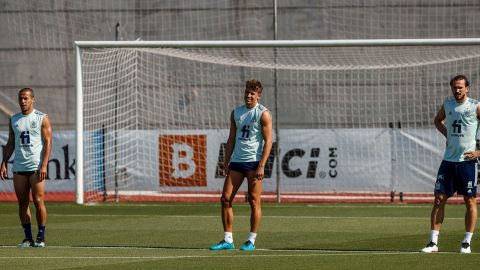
pixel 3 172
pixel 224 171
pixel 259 173
pixel 470 154
pixel 42 173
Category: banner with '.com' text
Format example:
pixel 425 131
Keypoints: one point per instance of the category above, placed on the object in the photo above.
pixel 309 160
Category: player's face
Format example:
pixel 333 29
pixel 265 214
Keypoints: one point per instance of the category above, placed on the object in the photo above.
pixel 25 100
pixel 459 90
pixel 251 97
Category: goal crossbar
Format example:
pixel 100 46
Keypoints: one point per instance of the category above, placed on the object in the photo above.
pixel 282 43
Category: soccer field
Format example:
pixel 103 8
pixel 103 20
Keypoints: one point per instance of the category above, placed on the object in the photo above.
pixel 292 236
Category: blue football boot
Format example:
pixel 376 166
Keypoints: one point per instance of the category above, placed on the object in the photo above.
pixel 223 245
pixel 248 246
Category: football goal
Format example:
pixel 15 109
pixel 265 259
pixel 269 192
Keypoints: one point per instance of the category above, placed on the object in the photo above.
pixel 352 119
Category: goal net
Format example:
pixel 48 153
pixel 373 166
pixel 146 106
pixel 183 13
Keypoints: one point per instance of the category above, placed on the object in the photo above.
pixel 352 121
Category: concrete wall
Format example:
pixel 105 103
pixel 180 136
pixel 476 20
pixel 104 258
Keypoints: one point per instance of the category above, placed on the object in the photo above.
pixel 36 37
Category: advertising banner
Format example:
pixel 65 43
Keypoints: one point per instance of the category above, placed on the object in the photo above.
pixel 309 161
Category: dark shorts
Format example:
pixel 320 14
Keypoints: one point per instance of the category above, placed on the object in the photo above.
pixel 25 173
pixel 459 177
pixel 243 167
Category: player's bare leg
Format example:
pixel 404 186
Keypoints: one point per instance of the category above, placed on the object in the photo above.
pixel 22 191
pixel 470 214
pixel 232 183
pixel 436 219
pixel 254 199
pixel 438 211
pixel 470 222
pixel 38 191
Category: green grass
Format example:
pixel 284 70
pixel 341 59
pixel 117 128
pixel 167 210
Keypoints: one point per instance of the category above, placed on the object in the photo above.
pixel 292 236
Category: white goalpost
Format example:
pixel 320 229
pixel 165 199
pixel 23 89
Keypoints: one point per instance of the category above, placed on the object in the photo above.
pixel 352 118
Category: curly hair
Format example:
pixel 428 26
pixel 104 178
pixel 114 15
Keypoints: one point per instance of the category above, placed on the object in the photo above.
pixel 254 85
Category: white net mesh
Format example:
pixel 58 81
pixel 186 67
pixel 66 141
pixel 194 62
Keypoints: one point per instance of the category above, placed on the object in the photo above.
pixel 37 48
pixel 37 36
pixel 347 120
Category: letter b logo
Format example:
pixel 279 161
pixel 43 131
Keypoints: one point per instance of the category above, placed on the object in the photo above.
pixel 182 160
pixel 182 157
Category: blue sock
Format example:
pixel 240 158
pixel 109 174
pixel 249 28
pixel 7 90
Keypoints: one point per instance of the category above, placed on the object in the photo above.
pixel 27 229
pixel 41 232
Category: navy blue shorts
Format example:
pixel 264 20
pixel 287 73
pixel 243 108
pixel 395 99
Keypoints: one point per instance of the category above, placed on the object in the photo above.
pixel 459 177
pixel 243 167
pixel 25 173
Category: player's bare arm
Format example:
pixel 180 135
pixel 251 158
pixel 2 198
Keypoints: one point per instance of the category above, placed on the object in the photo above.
pixel 230 144
pixel 47 147
pixel 476 153
pixel 438 121
pixel 7 151
pixel 266 122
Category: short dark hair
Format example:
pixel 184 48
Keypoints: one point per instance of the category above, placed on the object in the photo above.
pixel 254 85
pixel 27 89
pixel 459 78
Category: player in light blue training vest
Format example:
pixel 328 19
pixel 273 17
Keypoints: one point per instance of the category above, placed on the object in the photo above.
pixel 458 121
pixel 248 147
pixel 30 137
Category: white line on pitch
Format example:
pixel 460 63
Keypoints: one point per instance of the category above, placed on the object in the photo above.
pixel 241 216
pixel 304 252
pixel 237 255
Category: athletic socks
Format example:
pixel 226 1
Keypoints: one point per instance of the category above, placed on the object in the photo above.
pixel 434 236
pixel 467 238
pixel 27 229
pixel 228 237
pixel 41 232
pixel 251 237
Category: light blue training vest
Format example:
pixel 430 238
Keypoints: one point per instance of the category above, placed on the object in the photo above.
pixel 462 125
pixel 28 141
pixel 249 137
